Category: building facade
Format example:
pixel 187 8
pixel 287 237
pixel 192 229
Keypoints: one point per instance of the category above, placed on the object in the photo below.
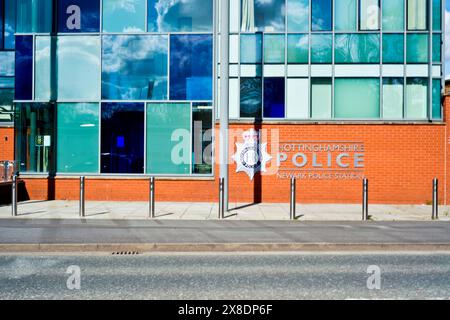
pixel 118 91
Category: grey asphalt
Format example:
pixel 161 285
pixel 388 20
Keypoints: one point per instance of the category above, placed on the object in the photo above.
pixel 221 232
pixel 227 276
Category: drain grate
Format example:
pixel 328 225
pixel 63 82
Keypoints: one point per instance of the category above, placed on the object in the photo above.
pixel 125 253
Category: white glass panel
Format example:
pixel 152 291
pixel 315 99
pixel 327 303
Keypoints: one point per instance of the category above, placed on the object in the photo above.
pixel 297 99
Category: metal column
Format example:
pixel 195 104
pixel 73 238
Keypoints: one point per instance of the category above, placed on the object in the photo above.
pixel 221 198
pixel 365 204
pixel 151 202
pixel 82 197
pixel 293 198
pixel 435 213
pixel 224 96
pixel 14 197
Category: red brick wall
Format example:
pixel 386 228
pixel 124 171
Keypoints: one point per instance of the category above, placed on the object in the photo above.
pixel 6 143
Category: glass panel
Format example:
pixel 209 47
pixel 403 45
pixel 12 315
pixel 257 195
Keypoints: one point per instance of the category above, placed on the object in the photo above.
pixel 120 16
pixel 251 48
pixel 274 104
pixel 437 47
pixel 416 98
pixel 393 48
pixel 357 98
pixel 369 15
pixel 393 15
pixel 34 16
pixel 6 105
pixel 179 16
pixel 357 48
pixel 10 24
pixel 24 68
pixel 417 48
pixel 321 46
pixel 321 15
pixel 297 99
pixel 79 15
pixel 437 15
pixel 34 137
pixel 417 14
pixel 202 115
pixel 345 15
pixel 274 48
pixel 77 138
pixel 78 58
pixel 298 15
pixel 260 15
pixel 191 66
pixel 321 98
pixel 134 67
pixel 7 63
pixel 298 48
pixel 392 98
pixel 122 138
pixel 251 98
pixel 43 68
pixel 1 25
pixel 437 102
pixel 169 138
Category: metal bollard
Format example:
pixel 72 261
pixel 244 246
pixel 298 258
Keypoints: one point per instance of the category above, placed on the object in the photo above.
pixel 82 197
pixel 365 205
pixel 151 202
pixel 435 212
pixel 14 197
pixel 293 198
pixel 221 198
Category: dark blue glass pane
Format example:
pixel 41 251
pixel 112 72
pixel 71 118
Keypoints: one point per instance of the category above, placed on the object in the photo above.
pixel 251 98
pixel 191 74
pixel 134 67
pixel 122 138
pixel 78 16
pixel 24 68
pixel 10 24
pixel 274 98
pixel 321 15
pixel 1 24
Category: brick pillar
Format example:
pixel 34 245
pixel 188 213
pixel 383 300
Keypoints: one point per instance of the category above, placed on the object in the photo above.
pixel 6 143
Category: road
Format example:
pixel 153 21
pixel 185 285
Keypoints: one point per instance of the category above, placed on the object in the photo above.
pixel 227 276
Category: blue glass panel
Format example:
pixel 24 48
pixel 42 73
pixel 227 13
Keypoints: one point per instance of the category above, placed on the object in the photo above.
pixel 123 17
pixel 191 74
pixel 251 48
pixel 274 98
pixel 321 15
pixel 1 24
pixel 7 63
pixel 251 98
pixel 135 67
pixel 34 16
pixel 24 68
pixel 122 138
pixel 10 24
pixel 78 16
pixel 179 16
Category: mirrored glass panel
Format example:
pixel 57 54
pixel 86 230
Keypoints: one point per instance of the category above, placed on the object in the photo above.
pixel 369 18
pixel 437 101
pixel 417 14
pixel 10 24
pixel 251 98
pixel 321 48
pixel 298 15
pixel 357 48
pixel 251 48
pixel 417 48
pixel 123 16
pixel 345 15
pixel 202 118
pixel 298 48
pixel 34 16
pixel 261 15
pixel 274 48
pixel 6 104
pixel 7 60
pixel 321 15
pixel 134 67
pixel 393 48
pixel 437 15
pixel 393 15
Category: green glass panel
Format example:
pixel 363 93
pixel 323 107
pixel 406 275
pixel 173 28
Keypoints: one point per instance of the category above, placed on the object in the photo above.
pixel 437 15
pixel 345 15
pixel 298 51
pixel 437 48
pixel 321 98
pixel 392 98
pixel 321 47
pixel 417 48
pixel 77 138
pixel 393 48
pixel 357 48
pixel 357 98
pixel 251 48
pixel 369 14
pixel 393 15
pixel 416 98
pixel 437 106
pixel 298 15
pixel 274 48
pixel 168 138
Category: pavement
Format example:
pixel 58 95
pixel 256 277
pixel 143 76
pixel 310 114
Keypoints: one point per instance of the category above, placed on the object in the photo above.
pixel 226 276
pixel 104 210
